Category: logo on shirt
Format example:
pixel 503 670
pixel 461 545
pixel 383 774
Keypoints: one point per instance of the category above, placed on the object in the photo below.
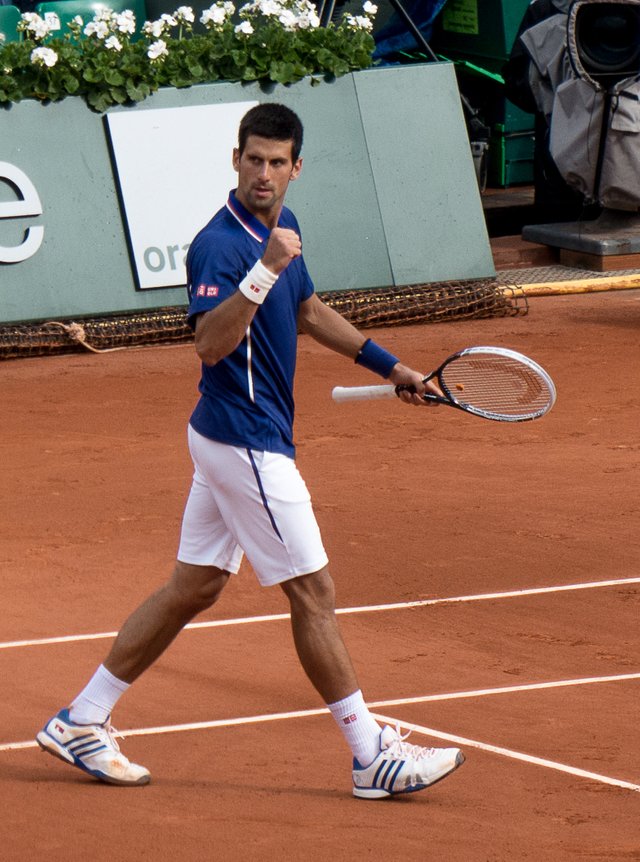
pixel 207 290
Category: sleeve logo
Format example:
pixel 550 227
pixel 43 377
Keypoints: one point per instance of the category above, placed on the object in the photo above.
pixel 207 290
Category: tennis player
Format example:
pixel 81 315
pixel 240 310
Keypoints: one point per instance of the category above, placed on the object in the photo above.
pixel 249 293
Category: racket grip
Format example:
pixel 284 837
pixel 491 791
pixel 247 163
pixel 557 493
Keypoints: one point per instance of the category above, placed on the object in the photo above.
pixel 362 393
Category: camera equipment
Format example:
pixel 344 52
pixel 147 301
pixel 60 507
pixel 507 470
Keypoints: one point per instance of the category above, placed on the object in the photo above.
pixel 595 130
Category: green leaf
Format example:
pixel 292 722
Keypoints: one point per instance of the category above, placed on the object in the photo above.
pixel 114 77
pixel 137 92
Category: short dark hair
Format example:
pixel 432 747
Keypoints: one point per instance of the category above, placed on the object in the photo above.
pixel 275 122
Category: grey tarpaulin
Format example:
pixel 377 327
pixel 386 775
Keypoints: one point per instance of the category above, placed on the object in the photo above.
pixel 595 129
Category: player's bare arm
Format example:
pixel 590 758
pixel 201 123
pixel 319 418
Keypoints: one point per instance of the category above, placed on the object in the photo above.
pixel 220 331
pixel 330 329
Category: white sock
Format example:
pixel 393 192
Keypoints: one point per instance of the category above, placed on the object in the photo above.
pixel 95 702
pixel 360 729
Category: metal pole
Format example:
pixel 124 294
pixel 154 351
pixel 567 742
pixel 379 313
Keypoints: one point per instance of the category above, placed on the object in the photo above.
pixel 402 12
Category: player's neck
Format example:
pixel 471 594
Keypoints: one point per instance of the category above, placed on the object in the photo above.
pixel 269 216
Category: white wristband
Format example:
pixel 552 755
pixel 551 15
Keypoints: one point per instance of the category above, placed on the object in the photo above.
pixel 257 283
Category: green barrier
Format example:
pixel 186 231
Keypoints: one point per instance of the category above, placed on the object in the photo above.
pixel 67 10
pixel 388 194
pixel 9 18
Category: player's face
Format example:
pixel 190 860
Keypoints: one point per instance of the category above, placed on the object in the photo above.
pixel 265 170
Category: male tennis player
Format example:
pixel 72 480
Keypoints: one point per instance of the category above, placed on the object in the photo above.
pixel 249 292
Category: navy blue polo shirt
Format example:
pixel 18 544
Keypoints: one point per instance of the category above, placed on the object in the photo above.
pixel 246 399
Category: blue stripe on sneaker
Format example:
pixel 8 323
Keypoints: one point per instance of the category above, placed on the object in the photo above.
pixel 392 780
pixel 374 783
pixel 384 781
pixel 78 740
pixel 87 750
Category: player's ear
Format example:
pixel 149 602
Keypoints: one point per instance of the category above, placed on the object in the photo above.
pixel 295 170
pixel 236 159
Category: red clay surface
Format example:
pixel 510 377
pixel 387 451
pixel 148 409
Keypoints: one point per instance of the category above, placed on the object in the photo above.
pixel 413 504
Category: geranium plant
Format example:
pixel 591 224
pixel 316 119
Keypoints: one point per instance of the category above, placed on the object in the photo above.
pixel 108 62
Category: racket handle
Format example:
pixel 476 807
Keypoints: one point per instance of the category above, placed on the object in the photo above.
pixel 362 393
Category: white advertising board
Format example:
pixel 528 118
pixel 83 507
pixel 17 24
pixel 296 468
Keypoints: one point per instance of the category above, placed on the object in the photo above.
pixel 174 171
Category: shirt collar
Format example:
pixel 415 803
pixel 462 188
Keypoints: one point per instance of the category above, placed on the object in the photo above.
pixel 249 222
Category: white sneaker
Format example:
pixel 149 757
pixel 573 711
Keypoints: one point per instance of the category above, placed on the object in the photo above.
pixel 402 768
pixel 92 748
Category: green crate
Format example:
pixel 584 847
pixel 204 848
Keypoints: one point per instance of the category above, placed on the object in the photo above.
pixel 477 36
pixel 481 31
pixel 510 158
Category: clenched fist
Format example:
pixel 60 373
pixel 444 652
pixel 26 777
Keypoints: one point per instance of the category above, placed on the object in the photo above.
pixel 284 245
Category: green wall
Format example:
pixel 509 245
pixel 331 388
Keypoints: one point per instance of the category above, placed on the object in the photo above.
pixel 388 194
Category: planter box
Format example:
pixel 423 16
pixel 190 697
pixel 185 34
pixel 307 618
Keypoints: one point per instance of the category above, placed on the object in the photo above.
pixel 388 194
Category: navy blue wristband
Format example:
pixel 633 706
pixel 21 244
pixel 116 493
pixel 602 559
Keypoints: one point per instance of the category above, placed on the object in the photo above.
pixel 375 358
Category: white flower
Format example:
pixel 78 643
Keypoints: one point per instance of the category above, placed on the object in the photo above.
pixel 77 21
pixel 103 13
pixel 44 57
pixel 185 14
pixel 27 19
pixel 153 28
pixel 157 50
pixel 369 8
pixel 288 19
pixel 125 22
pixel 246 28
pixel 308 20
pixel 215 16
pixel 113 44
pixel 212 16
pixel 36 26
pixel 99 29
pixel 271 8
pixel 359 22
pixel 169 20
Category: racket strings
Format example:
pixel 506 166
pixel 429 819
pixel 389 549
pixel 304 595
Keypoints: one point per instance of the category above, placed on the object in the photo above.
pixel 496 384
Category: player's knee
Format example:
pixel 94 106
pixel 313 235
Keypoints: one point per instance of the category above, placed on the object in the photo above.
pixel 311 594
pixel 196 588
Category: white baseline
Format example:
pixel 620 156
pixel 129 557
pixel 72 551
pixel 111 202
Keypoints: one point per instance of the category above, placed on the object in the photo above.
pixel 365 609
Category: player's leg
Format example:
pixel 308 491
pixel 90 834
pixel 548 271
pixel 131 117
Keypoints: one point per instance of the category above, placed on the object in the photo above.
pixel 153 626
pixel 82 735
pixel 326 660
pixel 384 764
pixel 264 499
pixel 317 637
pixel 265 504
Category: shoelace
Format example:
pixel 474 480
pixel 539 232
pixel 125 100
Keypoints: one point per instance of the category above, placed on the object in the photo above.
pixel 109 735
pixel 400 748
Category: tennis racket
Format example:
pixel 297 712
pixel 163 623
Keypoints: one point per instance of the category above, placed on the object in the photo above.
pixel 490 382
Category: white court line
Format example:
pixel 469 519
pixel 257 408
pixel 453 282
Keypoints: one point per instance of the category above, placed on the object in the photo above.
pixel 458 740
pixel 404 701
pixel 514 755
pixel 419 603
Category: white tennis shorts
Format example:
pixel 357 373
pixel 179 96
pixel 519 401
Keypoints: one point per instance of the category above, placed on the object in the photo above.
pixel 251 502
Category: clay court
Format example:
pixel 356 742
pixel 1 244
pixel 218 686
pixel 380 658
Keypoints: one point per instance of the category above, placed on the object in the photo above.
pixel 488 586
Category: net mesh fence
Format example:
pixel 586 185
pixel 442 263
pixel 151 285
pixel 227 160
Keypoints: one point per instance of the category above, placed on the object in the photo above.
pixel 421 303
